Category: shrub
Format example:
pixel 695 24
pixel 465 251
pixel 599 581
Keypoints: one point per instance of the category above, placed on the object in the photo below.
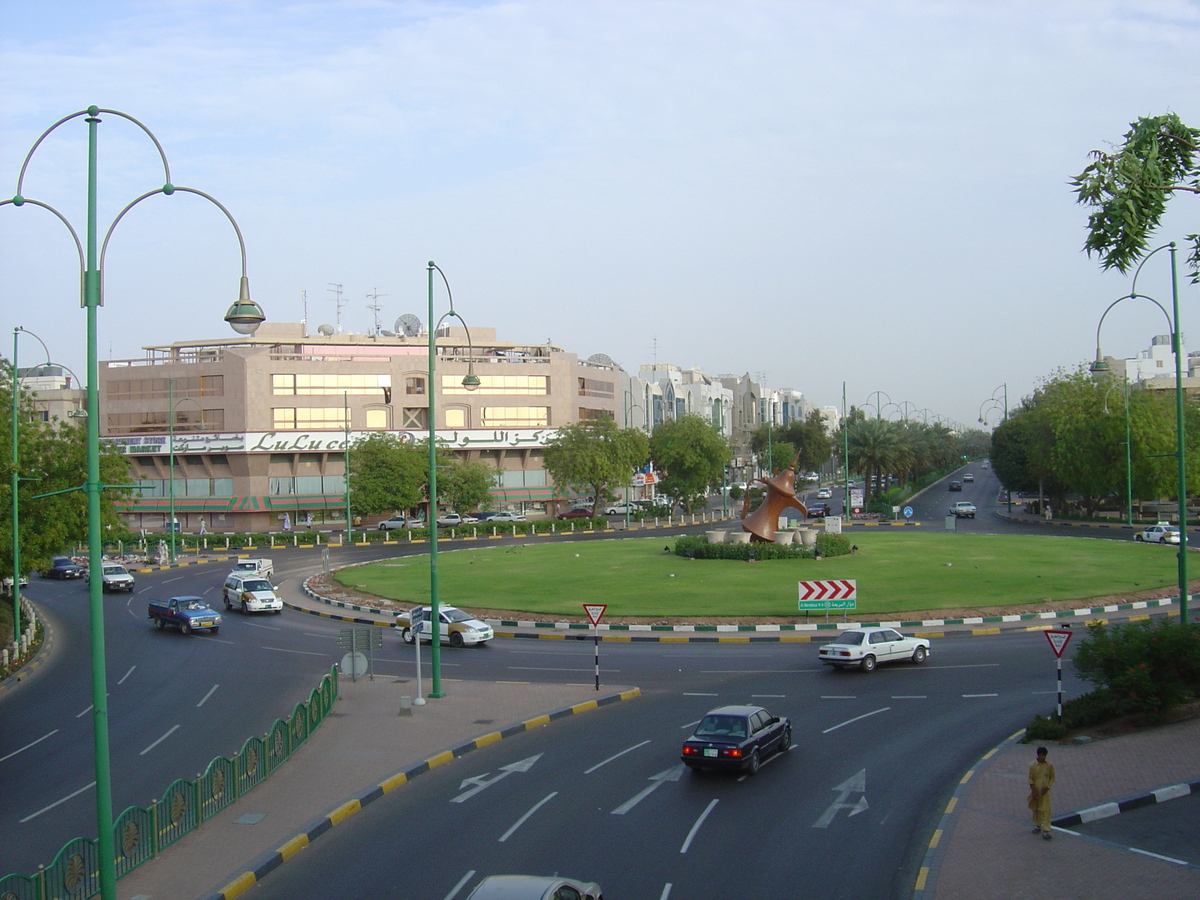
pixel 696 547
pixel 1147 667
pixel 833 544
pixel 1082 712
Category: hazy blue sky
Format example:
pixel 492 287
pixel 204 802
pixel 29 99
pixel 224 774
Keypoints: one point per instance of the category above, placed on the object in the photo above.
pixel 874 193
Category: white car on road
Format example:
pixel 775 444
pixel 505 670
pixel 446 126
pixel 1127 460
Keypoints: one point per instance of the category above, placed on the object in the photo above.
pixel 867 647
pixel 457 628
pixel 1162 533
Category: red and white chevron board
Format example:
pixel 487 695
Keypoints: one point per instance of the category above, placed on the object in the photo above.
pixel 843 589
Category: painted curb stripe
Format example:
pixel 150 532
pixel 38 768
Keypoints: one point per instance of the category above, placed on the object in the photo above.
pixel 1115 808
pixel 268 862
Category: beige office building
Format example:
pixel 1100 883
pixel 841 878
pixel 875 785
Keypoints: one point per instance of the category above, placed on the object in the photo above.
pixel 261 423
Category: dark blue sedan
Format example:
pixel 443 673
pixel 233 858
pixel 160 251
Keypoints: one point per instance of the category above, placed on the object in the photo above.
pixel 64 567
pixel 736 737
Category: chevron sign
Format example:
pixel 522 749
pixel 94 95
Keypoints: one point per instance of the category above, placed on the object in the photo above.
pixel 839 594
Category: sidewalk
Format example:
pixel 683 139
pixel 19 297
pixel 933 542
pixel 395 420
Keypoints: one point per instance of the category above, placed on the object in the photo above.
pixel 983 848
pixel 363 751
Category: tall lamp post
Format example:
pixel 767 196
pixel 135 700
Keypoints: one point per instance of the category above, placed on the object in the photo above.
pixel 1100 366
pixel 1128 447
pixel 244 316
pixel 470 382
pixel 171 454
pixel 994 402
pixel 878 409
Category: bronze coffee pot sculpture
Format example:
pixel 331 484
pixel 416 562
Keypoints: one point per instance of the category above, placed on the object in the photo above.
pixel 781 495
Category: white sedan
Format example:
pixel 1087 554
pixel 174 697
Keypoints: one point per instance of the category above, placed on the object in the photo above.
pixel 457 628
pixel 1159 534
pixel 825 494
pixel 867 647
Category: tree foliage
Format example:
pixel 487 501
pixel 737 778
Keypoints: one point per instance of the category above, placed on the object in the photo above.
pixel 466 486
pixel 53 457
pixel 808 438
pixel 387 474
pixel 1128 189
pixel 693 454
pixel 590 456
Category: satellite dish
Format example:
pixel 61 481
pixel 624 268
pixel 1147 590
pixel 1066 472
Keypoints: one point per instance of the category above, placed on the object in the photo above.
pixel 387 333
pixel 602 359
pixel 326 330
pixel 408 325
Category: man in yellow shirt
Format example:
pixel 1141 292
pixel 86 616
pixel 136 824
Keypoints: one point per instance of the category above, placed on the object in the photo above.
pixel 1041 779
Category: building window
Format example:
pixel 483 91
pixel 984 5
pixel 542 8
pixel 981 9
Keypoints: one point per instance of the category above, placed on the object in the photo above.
pixel 326 418
pixel 377 418
pixel 415 418
pixel 414 385
pixel 456 417
pixel 590 387
pixel 499 384
pixel 162 388
pixel 591 415
pixel 304 385
pixel 515 417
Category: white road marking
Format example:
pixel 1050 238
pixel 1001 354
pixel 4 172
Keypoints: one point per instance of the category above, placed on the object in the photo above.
pixel 838 697
pixel 211 691
pixel 86 787
pixel 855 719
pixel 672 774
pixel 910 696
pixel 607 761
pixel 557 669
pixel 980 695
pixel 700 821
pixel 698 694
pixel 855 784
pixel 127 674
pixel 1170 859
pixel 666 891
pixel 480 782
pixel 690 724
pixel 768 696
pixel 174 728
pixel 38 741
pixel 302 652
pixel 173 580
pixel 788 671
pixel 521 821
pixel 267 627
pixel 458 887
pixel 87 709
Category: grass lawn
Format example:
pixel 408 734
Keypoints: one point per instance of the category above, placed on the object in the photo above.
pixel 896 571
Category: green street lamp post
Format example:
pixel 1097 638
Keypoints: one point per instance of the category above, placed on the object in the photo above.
pixel 1180 444
pixel 244 316
pixel 1128 447
pixel 878 408
pixel 470 382
pixel 171 455
pixel 346 450
pixel 993 402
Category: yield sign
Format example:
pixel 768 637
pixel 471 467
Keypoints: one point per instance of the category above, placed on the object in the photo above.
pixel 840 589
pixel 595 611
pixel 1058 641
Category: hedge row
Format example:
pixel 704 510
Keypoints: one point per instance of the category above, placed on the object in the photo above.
pixel 697 547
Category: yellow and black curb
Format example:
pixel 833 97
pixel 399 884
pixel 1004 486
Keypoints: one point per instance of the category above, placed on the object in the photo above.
pixel 270 861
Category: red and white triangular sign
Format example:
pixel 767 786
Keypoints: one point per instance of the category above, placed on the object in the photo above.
pixel 1058 641
pixel 595 611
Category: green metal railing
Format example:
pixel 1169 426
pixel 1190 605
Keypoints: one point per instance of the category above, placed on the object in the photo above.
pixel 140 833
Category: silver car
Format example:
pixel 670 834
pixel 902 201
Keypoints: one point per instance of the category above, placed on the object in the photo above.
pixel 534 887
pixel 867 647
pixel 1159 534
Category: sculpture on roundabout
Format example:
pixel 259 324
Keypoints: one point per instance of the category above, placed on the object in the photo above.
pixel 780 495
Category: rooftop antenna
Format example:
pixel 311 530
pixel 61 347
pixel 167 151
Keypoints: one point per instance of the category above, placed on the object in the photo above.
pixel 374 307
pixel 304 321
pixel 338 303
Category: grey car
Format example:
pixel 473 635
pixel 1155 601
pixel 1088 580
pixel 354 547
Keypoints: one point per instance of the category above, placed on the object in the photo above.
pixel 535 887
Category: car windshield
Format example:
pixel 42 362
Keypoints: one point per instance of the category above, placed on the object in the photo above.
pixel 259 584
pixel 721 726
pixel 457 615
pixel 190 604
pixel 850 637
pixel 115 570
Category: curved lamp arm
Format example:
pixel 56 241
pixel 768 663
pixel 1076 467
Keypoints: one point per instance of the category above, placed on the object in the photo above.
pixel 1099 365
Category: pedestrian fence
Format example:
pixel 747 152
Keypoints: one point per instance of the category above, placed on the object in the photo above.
pixel 140 832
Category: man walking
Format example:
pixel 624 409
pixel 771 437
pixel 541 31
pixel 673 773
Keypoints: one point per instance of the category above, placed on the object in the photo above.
pixel 1041 779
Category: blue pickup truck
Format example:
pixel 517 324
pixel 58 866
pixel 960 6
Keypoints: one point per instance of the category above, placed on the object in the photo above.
pixel 188 614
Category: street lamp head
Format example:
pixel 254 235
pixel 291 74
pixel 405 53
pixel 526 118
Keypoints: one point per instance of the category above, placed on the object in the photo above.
pixel 1099 366
pixel 245 315
pixel 471 381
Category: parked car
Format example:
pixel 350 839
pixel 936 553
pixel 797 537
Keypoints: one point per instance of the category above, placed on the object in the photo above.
pixel 819 510
pixel 825 494
pixel 968 478
pixel 506 517
pixel 457 628
pixel 452 519
pixel 963 509
pixel 1162 533
pixel 64 567
pixel 534 887
pixel 398 522
pixel 736 737
pixel 955 486
pixel 576 514
pixel 113 577
pixel 6 585
pixel 866 647
pixel 619 509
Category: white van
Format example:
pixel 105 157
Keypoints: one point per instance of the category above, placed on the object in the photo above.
pixel 263 567
pixel 251 593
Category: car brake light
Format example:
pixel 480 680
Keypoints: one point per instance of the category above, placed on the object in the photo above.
pixel 687 749
pixel 733 751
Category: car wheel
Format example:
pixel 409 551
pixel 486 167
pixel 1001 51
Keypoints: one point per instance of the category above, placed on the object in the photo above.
pixel 786 744
pixel 456 639
pixel 1137 537
pixel 228 605
pixel 755 763
pixel 185 628
pixel 158 623
pixel 919 655
pixel 216 628
pixel 868 663
pixel 406 635
pixel 244 610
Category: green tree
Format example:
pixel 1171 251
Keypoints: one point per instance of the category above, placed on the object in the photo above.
pixel 591 456
pixel 806 437
pixel 387 474
pixel 693 454
pixel 1128 189
pixel 878 447
pixel 467 485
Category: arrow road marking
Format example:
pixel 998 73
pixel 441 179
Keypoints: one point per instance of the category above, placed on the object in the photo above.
pixel 855 784
pixel 482 781
pixel 672 774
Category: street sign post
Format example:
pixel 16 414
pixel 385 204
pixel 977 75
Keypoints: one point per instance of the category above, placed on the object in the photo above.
pixel 1058 643
pixel 353 640
pixel 595 612
pixel 840 593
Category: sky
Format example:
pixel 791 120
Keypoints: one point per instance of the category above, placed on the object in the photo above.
pixel 868 194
